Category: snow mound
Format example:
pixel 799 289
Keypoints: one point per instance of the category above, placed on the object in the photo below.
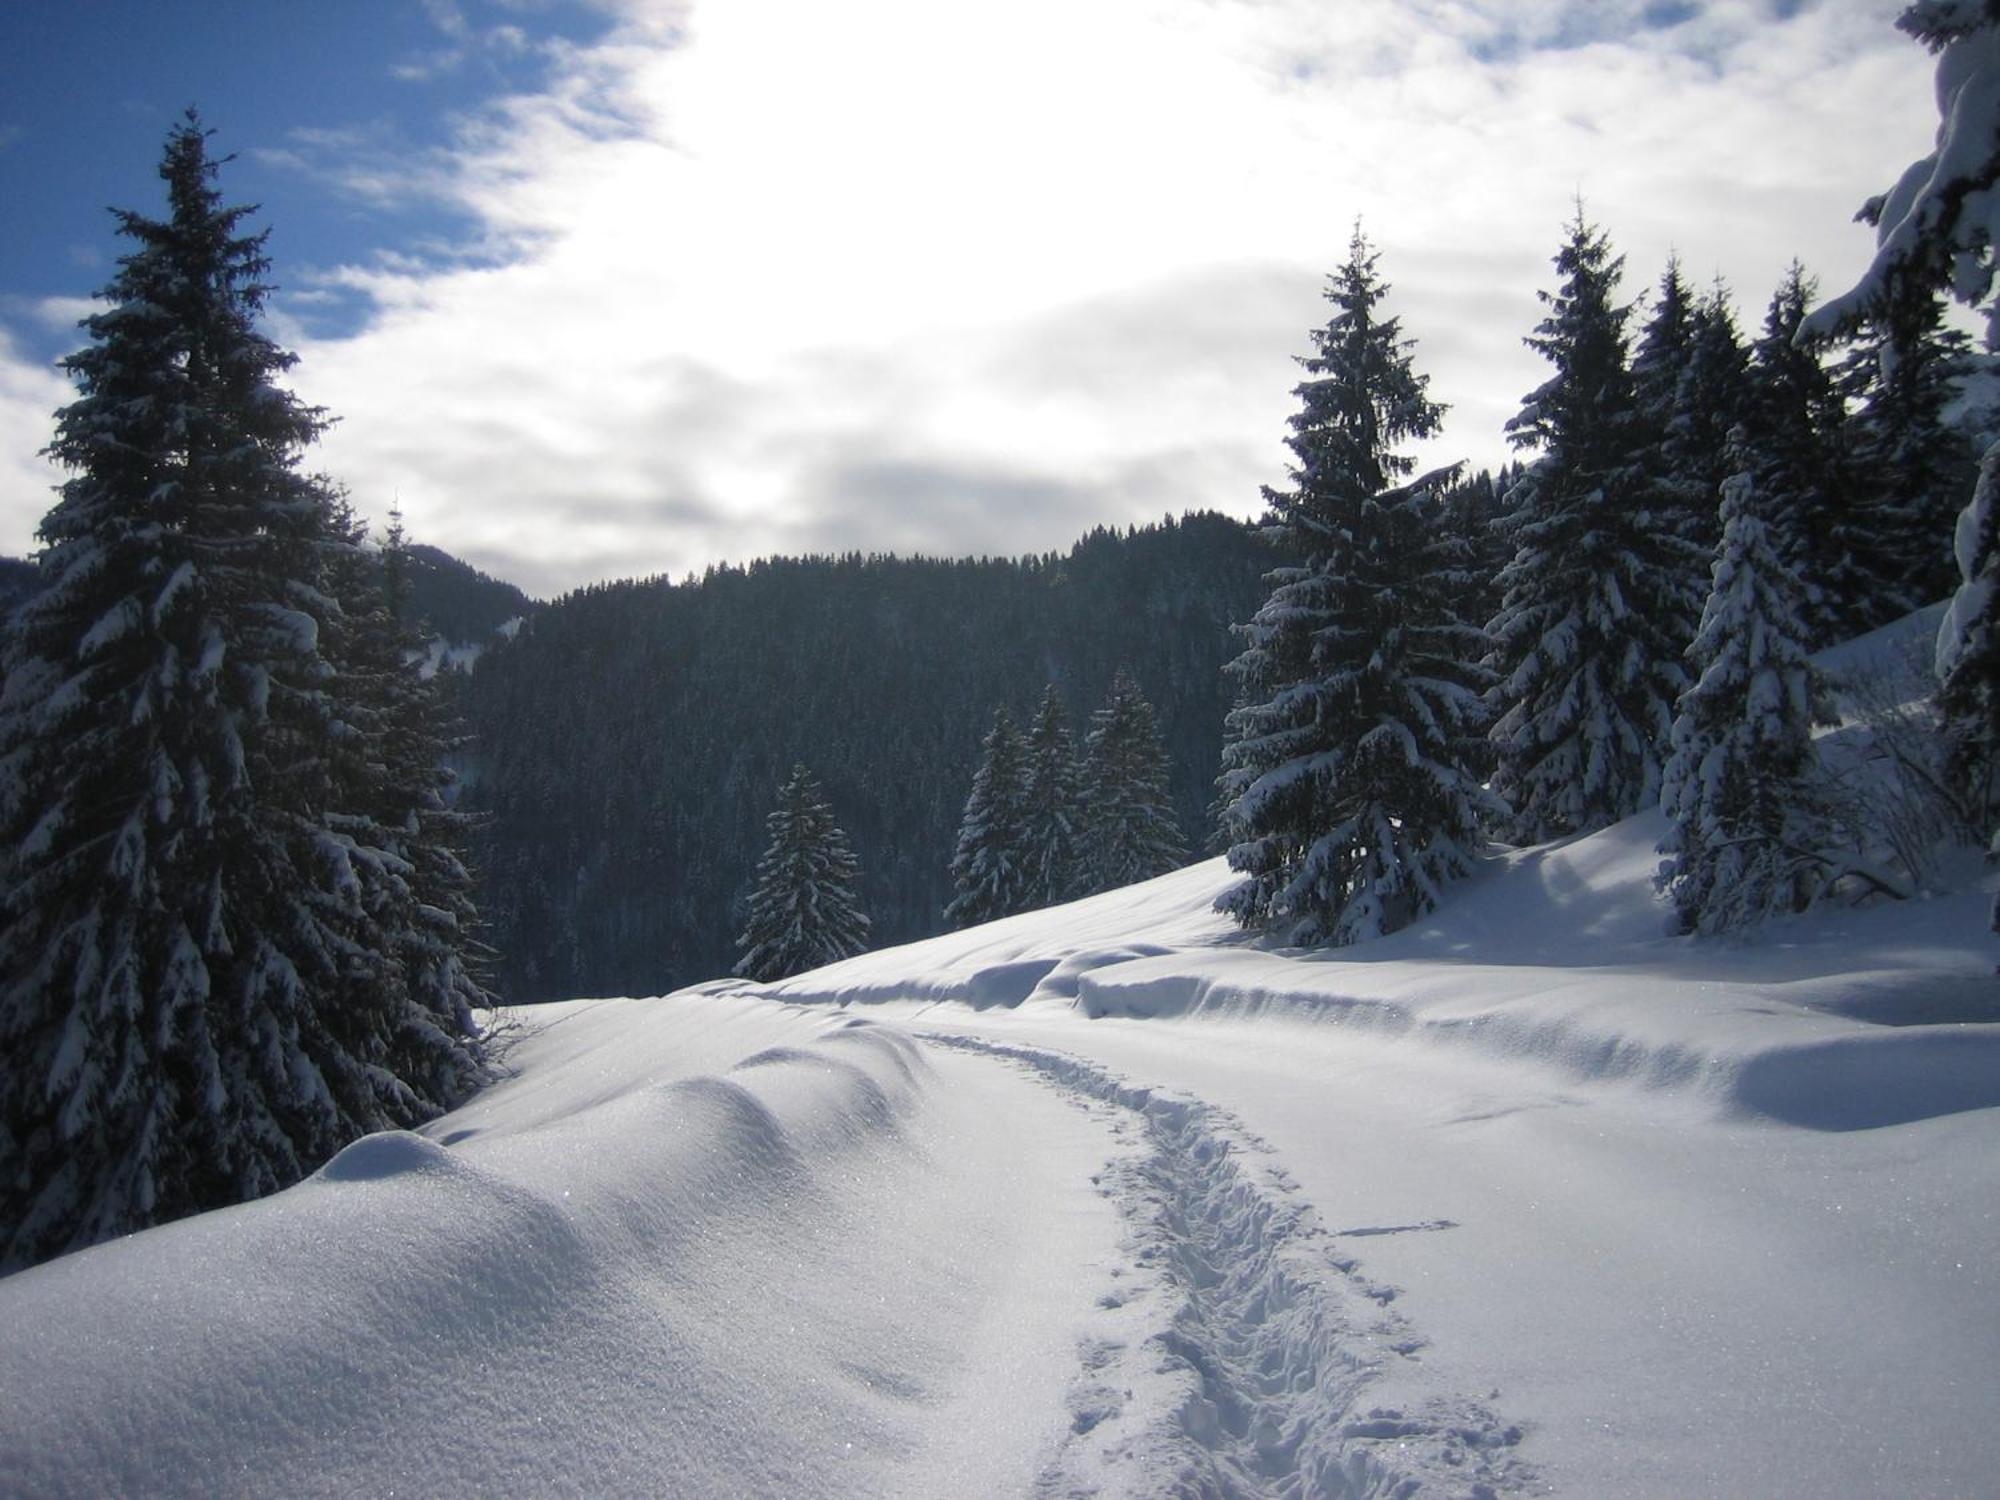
pixel 710 1245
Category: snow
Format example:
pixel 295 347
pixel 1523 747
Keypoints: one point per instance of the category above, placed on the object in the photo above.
pixel 1529 1197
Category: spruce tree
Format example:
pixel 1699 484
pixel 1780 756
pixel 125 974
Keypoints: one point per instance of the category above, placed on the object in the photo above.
pixel 391 813
pixel 1750 831
pixel 1691 376
pixel 805 911
pixel 1352 805
pixel 1600 598
pixel 1132 833
pixel 990 869
pixel 1934 232
pixel 1805 479
pixel 1052 805
pixel 1913 466
pixel 1659 367
pixel 1711 401
pixel 185 934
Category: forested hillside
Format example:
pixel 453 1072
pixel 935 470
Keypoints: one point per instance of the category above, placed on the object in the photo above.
pixel 630 741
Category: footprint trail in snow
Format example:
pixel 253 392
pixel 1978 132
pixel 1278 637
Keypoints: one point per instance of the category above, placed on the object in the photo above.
pixel 1253 1354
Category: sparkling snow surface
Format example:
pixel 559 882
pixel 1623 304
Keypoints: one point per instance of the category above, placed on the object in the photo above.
pixel 1105 1200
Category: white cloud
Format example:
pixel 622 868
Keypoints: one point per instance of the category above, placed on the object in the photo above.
pixel 1018 270
pixel 29 392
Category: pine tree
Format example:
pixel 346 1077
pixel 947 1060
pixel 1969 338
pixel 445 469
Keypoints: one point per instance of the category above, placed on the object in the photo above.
pixel 1599 600
pixel 990 870
pixel 1805 478
pixel 805 911
pixel 1352 806
pixel 184 935
pixel 1665 346
pixel 1750 830
pixel 1934 232
pixel 1052 805
pixel 1711 401
pixel 1132 833
pixel 1472 515
pixel 1913 466
pixel 391 814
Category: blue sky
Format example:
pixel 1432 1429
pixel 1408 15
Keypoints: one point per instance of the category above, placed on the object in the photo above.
pixel 300 93
pixel 634 286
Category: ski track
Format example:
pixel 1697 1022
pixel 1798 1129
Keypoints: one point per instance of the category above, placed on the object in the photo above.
pixel 1262 1341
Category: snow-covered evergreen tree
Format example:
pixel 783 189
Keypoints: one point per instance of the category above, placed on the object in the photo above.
pixel 184 932
pixel 991 868
pixel 1131 831
pixel 1806 480
pixel 1351 804
pixel 1711 401
pixel 1052 805
pixel 805 911
pixel 390 814
pixel 1600 599
pixel 1660 365
pixel 1938 229
pixel 1750 833
pixel 1915 466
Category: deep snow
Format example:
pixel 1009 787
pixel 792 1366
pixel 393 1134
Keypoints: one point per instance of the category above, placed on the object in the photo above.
pixel 1530 1198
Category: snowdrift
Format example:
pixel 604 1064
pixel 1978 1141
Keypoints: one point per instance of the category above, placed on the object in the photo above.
pixel 623 1273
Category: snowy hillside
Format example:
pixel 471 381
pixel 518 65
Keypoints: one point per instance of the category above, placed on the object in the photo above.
pixel 1104 1200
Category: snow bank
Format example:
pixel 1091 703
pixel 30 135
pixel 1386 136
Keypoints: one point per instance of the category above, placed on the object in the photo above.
pixel 621 1273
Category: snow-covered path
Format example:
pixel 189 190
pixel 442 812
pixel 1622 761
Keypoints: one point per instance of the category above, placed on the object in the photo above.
pixel 1669 1303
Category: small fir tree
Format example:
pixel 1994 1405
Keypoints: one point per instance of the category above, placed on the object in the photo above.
pixel 805 911
pixel 1599 600
pixel 1052 805
pixel 1750 835
pixel 1351 802
pixel 1133 834
pixel 990 870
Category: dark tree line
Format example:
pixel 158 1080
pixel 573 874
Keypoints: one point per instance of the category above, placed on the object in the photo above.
pixel 628 740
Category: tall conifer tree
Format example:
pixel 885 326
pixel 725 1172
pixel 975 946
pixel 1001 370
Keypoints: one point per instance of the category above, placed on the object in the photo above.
pixel 1711 401
pixel 1600 598
pixel 1806 481
pixel 1659 367
pixel 1935 232
pixel 185 931
pixel 391 813
pixel 1914 467
pixel 1351 805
